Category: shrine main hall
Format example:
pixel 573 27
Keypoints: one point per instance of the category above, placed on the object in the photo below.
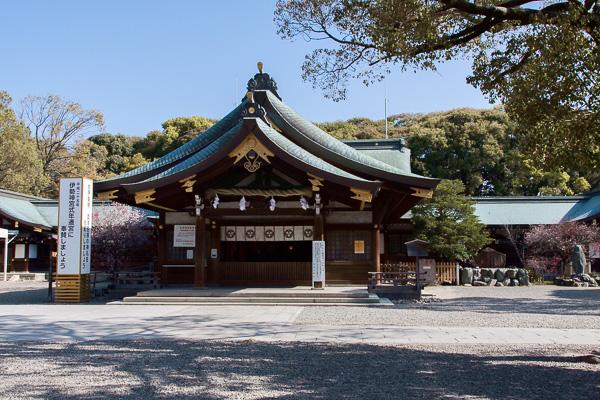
pixel 241 204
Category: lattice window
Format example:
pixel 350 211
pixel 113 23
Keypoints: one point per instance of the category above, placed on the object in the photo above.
pixel 348 245
pixel 396 243
pixel 336 246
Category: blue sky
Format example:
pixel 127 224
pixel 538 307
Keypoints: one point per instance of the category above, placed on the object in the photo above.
pixel 143 62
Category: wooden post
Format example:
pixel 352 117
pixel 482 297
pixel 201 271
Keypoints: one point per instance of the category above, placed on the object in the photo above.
pixel 319 233
pixel 162 247
pixel 377 257
pixel 50 269
pixel 199 269
pixel 215 243
pixel 418 278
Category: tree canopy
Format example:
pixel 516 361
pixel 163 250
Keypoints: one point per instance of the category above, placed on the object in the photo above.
pixel 54 124
pixel 448 222
pixel 480 148
pixel 20 164
pixel 540 59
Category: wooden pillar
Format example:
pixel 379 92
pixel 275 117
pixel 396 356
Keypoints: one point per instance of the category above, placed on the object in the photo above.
pixel 215 243
pixel 376 257
pixel 199 269
pixel 162 248
pixel 319 232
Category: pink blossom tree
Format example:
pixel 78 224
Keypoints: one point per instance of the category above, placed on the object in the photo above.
pixel 118 232
pixel 557 242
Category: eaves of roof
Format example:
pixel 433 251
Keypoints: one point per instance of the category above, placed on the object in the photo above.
pixel 323 145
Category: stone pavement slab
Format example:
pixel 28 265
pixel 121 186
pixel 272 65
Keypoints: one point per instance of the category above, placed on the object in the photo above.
pixel 260 323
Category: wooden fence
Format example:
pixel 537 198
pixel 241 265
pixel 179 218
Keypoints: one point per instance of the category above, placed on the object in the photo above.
pixel 444 270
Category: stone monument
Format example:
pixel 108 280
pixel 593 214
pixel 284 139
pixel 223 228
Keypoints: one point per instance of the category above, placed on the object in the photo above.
pixel 578 260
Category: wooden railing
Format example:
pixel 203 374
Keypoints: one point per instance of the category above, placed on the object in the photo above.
pixel 129 281
pixel 444 271
pixel 396 282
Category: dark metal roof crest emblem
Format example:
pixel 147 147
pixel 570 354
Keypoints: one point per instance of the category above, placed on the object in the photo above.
pixel 263 81
pixel 252 109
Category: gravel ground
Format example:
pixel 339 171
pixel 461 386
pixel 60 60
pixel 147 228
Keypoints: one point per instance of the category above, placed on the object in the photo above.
pixel 256 370
pixel 512 307
pixel 31 292
pixel 23 292
pixel 180 369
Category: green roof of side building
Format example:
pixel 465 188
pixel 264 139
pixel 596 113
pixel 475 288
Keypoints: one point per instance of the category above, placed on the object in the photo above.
pixel 537 210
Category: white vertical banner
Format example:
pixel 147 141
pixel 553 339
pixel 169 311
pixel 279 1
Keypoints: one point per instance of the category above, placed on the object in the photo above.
pixel 74 226
pixel 318 262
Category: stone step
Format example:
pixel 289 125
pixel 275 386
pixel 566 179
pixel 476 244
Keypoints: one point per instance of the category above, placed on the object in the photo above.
pixel 372 301
pixel 247 299
pixel 243 294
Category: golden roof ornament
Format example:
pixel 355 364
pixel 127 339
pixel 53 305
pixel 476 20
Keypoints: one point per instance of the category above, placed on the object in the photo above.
pixel 260 67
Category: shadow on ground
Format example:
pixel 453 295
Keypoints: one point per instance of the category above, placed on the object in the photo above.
pixel 557 302
pixel 258 370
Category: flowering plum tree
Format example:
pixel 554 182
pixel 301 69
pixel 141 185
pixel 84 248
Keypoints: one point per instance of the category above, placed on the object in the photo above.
pixel 558 241
pixel 118 231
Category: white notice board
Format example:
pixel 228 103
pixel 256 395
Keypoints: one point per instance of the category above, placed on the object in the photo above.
pixel 74 226
pixel 184 236
pixel 318 262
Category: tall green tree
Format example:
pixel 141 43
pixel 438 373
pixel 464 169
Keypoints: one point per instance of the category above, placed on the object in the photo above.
pixel 176 132
pixel 449 224
pixel 539 58
pixel 480 148
pixel 20 166
pixel 119 149
pixel 55 123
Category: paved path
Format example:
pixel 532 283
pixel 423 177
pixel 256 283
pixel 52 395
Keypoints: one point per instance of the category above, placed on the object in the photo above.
pixel 261 323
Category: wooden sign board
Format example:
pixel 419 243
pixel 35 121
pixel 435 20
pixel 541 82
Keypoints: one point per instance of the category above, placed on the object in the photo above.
pixel 74 240
pixel 318 264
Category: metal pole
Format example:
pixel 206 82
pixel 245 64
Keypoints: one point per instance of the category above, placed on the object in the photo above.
pixel 5 256
pixel 386 121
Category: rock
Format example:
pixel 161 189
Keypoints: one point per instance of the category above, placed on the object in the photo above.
pixel 486 279
pixel 514 282
pixel 499 275
pixel 493 282
pixel 523 277
pixel 466 276
pixel 499 284
pixel 476 274
pixel 506 281
pixel 14 278
pixel 479 283
pixel 584 284
pixel 511 273
pixel 584 278
pixel 486 273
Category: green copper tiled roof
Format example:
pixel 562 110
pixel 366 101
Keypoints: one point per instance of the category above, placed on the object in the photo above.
pixel 300 154
pixel 587 209
pixel 200 156
pixel 285 115
pixel 198 143
pixel 23 210
pixel 524 210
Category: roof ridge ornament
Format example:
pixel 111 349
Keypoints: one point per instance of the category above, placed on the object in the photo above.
pixel 262 81
pixel 254 110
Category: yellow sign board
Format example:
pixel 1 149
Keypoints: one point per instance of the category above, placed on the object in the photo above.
pixel 359 247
